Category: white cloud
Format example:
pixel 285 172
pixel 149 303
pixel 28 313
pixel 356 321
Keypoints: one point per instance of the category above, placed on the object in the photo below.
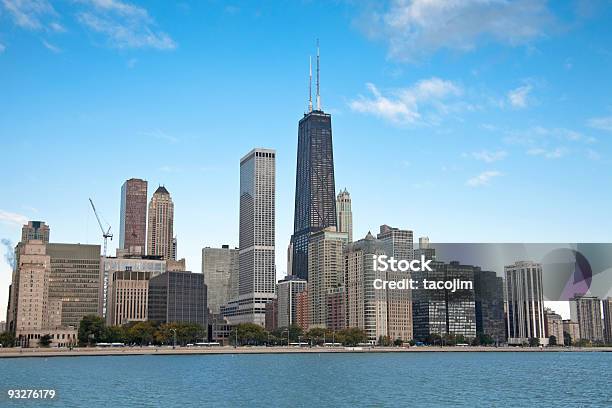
pixel 414 28
pixel 555 153
pixel 12 218
pixel 417 103
pixel 125 25
pixel 602 123
pixel 53 48
pixel 57 27
pixel 483 179
pixel 519 97
pixel 29 14
pixel 489 157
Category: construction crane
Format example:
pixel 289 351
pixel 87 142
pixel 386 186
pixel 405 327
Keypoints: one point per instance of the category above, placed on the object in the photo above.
pixel 106 234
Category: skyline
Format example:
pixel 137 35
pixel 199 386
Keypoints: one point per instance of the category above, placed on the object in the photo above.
pixel 509 118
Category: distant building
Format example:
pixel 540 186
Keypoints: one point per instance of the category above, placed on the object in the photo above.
pixel 424 249
pixel 607 314
pixel 257 270
pixel 586 310
pixel 525 299
pixel 125 262
pixel 35 230
pixel 396 242
pixel 325 271
pixel 554 325
pixel 443 312
pixel 220 270
pixel 571 327
pixel 133 216
pixel 75 281
pixel 345 214
pixel 302 310
pixel 489 297
pixel 336 308
pixel 272 315
pixel 128 297
pixel 161 224
pixel 287 293
pixel 380 313
pixel 178 297
pixel 174 252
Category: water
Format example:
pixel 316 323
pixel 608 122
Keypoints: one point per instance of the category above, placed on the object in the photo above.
pixel 326 380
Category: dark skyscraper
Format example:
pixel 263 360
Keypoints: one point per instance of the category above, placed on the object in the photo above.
pixel 315 191
pixel 133 225
pixel 489 292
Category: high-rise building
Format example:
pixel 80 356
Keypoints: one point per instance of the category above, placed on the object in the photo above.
pixel 336 308
pixel 379 312
pixel 396 242
pixel 161 224
pixel 35 230
pixel 133 216
pixel 525 302
pixel 345 213
pixel 302 310
pixel 178 297
pixel 287 292
pixel 220 270
pixel 126 262
pixel 573 330
pixel 173 253
pixel 489 297
pixel 586 310
pixel 272 315
pixel 315 188
pixel 607 314
pixel 325 271
pixel 443 312
pixel 554 325
pixel 424 249
pixel 76 280
pixel 257 271
pixel 128 297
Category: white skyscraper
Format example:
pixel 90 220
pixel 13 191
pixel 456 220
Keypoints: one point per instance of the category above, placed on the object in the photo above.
pixel 257 271
pixel 345 214
pixel 525 302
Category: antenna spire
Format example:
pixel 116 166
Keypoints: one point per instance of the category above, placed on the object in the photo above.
pixel 318 81
pixel 310 85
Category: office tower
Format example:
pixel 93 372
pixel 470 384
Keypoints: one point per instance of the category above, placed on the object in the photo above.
pixel 178 297
pixel 287 292
pixel 396 242
pixel 37 314
pixel 607 313
pixel 272 315
pixel 315 191
pixel 489 298
pixel 161 224
pixel 76 280
pixel 573 330
pixel 220 270
pixel 128 262
pixel 325 271
pixel 128 297
pixel 257 272
pixel 302 310
pixel 444 312
pixel 290 259
pixel 336 308
pixel 133 216
pixel 586 310
pixel 33 230
pixel 525 302
pixel 345 213
pixel 380 312
pixel 173 252
pixel 554 325
pixel 424 249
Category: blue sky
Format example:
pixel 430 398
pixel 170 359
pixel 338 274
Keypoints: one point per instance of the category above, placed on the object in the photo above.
pixel 484 121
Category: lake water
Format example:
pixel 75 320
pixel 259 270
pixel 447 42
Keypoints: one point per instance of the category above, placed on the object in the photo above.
pixel 326 380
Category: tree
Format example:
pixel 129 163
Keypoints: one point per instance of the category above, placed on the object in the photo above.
pixel 567 339
pixel 398 343
pixel 384 341
pixel 248 334
pixel 7 339
pixel 352 336
pixel 141 333
pixel 92 329
pixel 295 332
pixel 318 335
pixel 482 339
pixel 534 342
pixel 44 340
pixel 552 340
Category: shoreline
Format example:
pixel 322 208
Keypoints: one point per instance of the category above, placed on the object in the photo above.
pixel 165 351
